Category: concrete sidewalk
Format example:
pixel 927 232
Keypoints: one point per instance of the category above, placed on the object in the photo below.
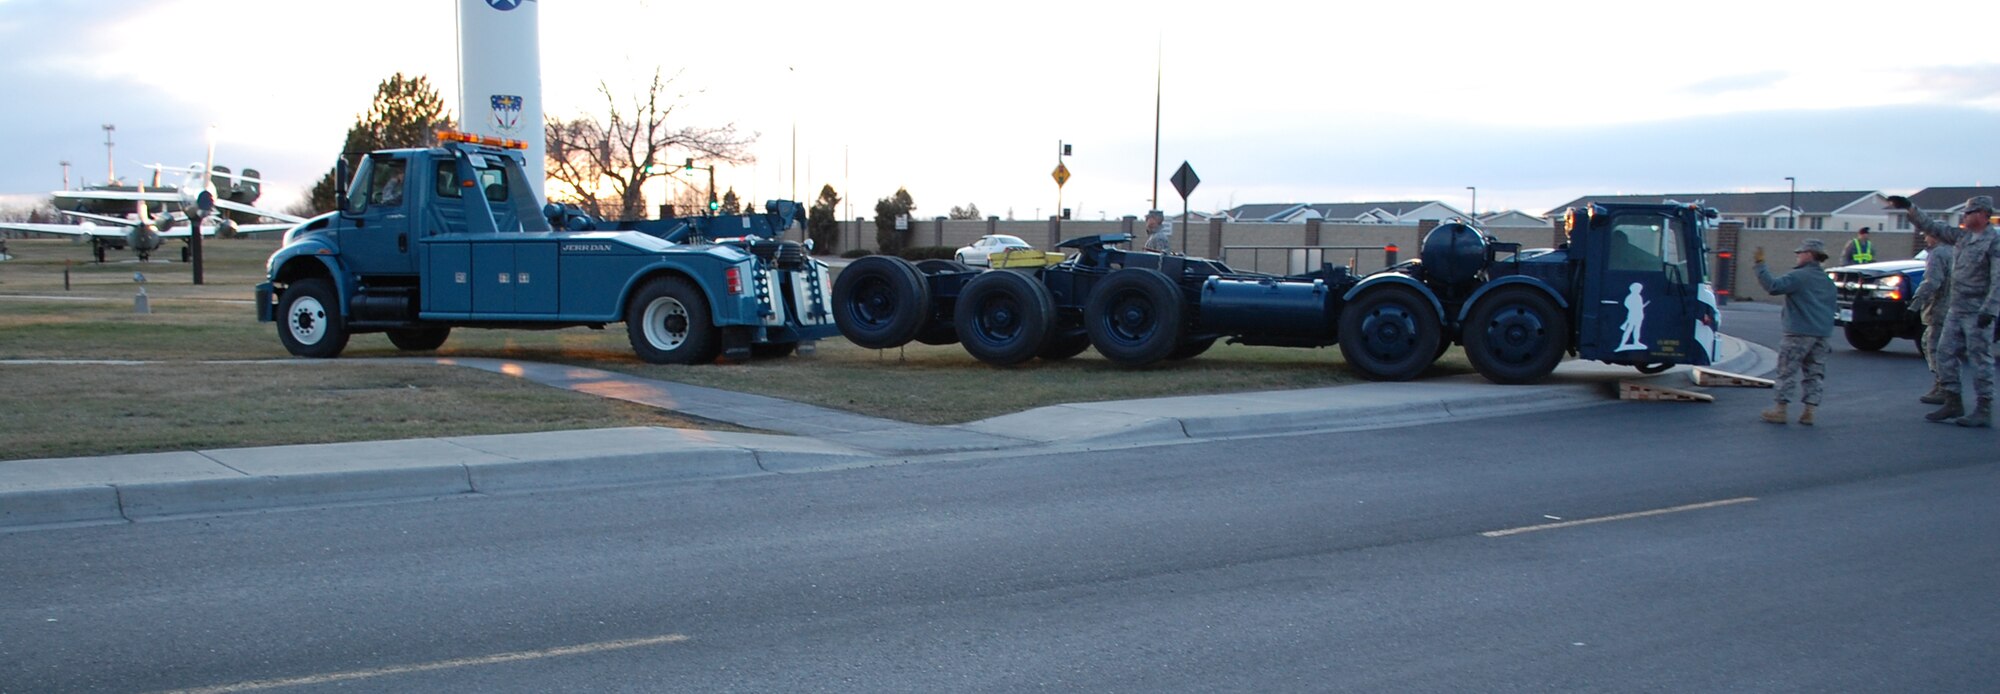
pixel 125 488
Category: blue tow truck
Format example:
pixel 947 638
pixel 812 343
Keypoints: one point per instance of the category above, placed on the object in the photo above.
pixel 452 236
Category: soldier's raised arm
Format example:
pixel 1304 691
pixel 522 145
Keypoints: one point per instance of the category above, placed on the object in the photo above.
pixel 1923 221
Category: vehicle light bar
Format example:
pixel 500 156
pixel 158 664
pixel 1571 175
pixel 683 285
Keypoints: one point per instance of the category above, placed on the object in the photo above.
pixel 456 136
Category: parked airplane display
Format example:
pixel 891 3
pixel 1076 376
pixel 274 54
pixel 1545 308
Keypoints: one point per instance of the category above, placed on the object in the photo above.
pixel 162 212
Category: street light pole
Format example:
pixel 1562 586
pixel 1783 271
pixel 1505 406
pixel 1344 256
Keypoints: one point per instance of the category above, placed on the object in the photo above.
pixel 110 162
pixel 1475 201
pixel 1792 208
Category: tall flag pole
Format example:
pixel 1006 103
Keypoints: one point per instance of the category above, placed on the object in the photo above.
pixel 1158 51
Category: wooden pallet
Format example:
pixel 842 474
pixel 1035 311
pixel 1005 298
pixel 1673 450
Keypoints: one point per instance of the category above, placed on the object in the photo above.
pixel 1704 376
pixel 1634 390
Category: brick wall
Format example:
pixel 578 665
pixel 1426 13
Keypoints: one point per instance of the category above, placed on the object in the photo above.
pixel 1778 245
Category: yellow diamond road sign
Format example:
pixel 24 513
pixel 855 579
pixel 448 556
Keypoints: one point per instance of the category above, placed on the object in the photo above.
pixel 1061 173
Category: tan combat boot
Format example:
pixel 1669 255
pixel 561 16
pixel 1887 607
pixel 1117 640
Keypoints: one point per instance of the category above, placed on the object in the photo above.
pixel 1806 417
pixel 1982 415
pixel 1936 396
pixel 1949 412
pixel 1775 415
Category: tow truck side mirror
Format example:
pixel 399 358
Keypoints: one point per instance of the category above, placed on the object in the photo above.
pixel 340 183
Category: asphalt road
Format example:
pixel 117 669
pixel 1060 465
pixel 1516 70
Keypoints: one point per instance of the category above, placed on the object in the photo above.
pixel 1857 555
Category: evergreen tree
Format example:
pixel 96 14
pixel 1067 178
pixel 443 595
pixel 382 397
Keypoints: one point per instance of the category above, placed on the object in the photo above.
pixel 821 224
pixel 888 239
pixel 730 203
pixel 407 113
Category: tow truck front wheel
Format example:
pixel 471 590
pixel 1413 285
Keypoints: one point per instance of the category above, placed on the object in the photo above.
pixel 668 323
pixel 1390 334
pixel 419 339
pixel 309 322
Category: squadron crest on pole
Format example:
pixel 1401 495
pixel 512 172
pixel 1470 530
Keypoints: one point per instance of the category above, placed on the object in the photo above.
pixel 507 112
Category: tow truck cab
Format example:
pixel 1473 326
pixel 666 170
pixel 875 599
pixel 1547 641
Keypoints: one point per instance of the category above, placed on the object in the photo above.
pixel 1643 296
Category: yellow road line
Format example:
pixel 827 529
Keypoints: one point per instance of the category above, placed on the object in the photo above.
pixel 439 665
pixel 1621 516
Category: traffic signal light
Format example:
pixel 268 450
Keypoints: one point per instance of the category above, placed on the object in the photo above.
pixel 1065 214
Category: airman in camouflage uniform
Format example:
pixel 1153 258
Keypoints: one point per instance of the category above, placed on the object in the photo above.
pixel 1929 302
pixel 1808 321
pixel 1973 303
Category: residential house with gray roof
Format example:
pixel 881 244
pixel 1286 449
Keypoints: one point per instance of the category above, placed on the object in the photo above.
pixel 1402 212
pixel 1944 203
pixel 1817 210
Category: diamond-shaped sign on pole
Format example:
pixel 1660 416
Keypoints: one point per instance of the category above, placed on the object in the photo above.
pixel 1061 174
pixel 1185 180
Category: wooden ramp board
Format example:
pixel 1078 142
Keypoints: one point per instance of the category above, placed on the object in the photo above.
pixel 1704 376
pixel 1634 390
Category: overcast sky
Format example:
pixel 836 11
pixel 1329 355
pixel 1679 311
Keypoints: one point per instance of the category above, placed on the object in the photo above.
pixel 1534 103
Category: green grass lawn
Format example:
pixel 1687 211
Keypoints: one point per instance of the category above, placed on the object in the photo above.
pixel 184 404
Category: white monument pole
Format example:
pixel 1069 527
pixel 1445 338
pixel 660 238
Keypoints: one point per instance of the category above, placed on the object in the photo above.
pixel 500 75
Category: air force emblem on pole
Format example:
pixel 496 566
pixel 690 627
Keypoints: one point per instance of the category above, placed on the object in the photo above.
pixel 507 112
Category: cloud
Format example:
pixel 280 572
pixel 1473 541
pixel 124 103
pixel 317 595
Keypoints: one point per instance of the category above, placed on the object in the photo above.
pixel 1958 82
pixel 1737 83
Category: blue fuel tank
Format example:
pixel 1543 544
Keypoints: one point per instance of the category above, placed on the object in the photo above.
pixel 1269 307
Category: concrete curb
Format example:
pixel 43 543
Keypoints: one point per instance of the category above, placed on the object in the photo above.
pixel 214 496
pixel 110 489
pixel 1364 406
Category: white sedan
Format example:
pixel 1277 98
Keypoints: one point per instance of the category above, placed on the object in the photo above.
pixel 976 253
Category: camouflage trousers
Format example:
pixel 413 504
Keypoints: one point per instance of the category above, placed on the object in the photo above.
pixel 1802 366
pixel 1965 344
pixel 1933 331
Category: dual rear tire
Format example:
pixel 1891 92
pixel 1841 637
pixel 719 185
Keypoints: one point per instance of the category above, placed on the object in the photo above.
pixel 881 302
pixel 1004 318
pixel 1390 334
pixel 668 322
pixel 1135 318
pixel 1515 336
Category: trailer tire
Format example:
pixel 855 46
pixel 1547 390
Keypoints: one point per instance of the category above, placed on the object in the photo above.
pixel 881 302
pixel 668 322
pixel 1390 334
pixel 1869 339
pixel 1004 318
pixel 1134 317
pixel 309 322
pixel 1515 336
pixel 419 339
pixel 1065 343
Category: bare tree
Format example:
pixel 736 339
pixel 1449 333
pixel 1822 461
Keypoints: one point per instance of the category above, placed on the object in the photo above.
pixel 602 162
